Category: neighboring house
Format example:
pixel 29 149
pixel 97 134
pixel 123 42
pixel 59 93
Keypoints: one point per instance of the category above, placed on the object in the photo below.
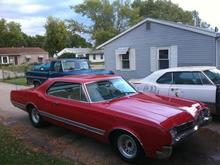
pixel 154 44
pixel 22 55
pixel 94 56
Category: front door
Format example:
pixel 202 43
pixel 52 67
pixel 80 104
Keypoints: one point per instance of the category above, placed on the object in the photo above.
pixel 192 85
pixel 69 105
pixel 16 60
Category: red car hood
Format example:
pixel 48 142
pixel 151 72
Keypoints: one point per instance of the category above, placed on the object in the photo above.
pixel 151 107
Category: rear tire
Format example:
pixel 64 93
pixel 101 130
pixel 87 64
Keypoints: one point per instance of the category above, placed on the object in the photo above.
pixel 128 147
pixel 35 118
pixel 36 83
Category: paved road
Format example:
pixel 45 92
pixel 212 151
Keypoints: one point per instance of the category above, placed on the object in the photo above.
pixel 203 148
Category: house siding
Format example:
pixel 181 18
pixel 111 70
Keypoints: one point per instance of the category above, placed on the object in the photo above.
pixel 218 53
pixel 193 48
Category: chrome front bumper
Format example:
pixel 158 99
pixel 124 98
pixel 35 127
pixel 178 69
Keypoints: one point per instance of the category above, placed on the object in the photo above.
pixel 204 117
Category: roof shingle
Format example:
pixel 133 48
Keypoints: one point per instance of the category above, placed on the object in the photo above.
pixel 21 50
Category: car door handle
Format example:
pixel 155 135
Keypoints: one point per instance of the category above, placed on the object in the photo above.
pixel 174 89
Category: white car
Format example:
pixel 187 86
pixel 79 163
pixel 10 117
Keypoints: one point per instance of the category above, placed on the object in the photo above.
pixel 200 83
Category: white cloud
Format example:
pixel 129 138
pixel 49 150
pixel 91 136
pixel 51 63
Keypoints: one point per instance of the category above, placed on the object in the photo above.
pixel 208 10
pixel 15 2
pixel 31 25
pixel 32 8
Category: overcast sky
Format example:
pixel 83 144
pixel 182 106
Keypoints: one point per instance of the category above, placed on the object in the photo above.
pixel 32 14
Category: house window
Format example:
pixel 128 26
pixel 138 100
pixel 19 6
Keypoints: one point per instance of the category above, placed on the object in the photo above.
pixel 125 61
pixel 94 57
pixel 28 58
pixel 101 56
pixel 40 59
pixel 163 58
pixel 5 59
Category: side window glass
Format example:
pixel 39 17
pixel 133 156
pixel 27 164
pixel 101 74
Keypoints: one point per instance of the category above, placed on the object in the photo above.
pixel 183 78
pixel 197 78
pixel 67 90
pixel 204 79
pixel 165 79
pixel 57 67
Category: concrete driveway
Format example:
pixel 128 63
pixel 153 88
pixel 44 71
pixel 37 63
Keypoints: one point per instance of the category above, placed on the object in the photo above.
pixel 203 148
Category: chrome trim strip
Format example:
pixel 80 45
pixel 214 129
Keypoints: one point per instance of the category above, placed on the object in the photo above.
pixel 73 123
pixel 19 105
pixel 36 77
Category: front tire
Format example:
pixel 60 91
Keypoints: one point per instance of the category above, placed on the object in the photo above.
pixel 128 147
pixel 35 118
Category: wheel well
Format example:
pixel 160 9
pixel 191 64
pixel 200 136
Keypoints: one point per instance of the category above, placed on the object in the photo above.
pixel 36 81
pixel 116 132
pixel 28 107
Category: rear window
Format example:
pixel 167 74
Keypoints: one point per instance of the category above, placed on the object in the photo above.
pixel 165 79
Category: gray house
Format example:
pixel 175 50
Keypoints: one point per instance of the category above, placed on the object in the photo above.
pixel 155 44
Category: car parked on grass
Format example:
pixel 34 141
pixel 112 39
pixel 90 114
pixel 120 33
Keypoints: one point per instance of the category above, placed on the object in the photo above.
pixel 110 110
pixel 200 83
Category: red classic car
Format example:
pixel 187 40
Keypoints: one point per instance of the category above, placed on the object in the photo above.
pixel 108 109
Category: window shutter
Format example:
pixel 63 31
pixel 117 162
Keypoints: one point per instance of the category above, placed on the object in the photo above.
pixel 153 59
pixel 132 57
pixel 117 61
pixel 173 56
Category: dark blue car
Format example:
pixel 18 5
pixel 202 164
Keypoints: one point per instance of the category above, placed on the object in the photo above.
pixel 59 68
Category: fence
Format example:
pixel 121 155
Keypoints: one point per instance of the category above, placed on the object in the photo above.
pixel 12 71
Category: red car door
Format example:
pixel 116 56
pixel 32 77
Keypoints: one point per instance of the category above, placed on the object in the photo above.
pixel 68 104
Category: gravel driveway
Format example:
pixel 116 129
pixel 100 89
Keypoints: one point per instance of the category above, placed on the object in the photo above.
pixel 203 148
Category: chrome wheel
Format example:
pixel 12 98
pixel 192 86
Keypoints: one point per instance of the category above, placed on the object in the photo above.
pixel 35 116
pixel 127 146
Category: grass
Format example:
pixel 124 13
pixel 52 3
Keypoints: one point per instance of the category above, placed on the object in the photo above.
pixel 16 81
pixel 13 151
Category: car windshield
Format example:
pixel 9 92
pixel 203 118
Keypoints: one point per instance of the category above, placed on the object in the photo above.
pixel 81 65
pixel 75 65
pixel 68 65
pixel 214 75
pixel 109 89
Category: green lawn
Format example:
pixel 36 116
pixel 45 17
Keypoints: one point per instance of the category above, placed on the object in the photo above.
pixel 16 81
pixel 13 151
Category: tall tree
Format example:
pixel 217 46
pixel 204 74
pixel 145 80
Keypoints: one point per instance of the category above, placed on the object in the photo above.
pixel 34 41
pixel 163 9
pixel 2 32
pixel 56 35
pixel 109 18
pixel 11 34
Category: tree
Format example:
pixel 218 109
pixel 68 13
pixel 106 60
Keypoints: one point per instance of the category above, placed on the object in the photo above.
pixel 163 9
pixel 56 35
pixel 76 41
pixel 109 19
pixel 11 34
pixel 34 41
pixel 2 32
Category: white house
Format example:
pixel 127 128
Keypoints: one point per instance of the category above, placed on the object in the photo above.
pixel 94 56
